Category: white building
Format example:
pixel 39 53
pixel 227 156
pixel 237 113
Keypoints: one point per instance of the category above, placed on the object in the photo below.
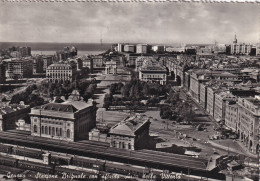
pixel 132 133
pixel 152 71
pixel 141 48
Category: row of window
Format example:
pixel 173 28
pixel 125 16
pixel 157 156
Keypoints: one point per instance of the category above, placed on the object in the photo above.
pixel 121 145
pixel 52 122
pixel 51 131
pixel 59 68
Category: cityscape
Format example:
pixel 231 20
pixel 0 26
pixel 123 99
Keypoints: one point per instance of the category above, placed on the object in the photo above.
pixel 133 103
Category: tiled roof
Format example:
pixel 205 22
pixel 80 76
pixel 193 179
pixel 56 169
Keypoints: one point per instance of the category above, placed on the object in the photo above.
pixel 58 107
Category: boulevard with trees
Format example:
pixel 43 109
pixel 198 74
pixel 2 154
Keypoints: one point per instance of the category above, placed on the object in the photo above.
pixel 133 94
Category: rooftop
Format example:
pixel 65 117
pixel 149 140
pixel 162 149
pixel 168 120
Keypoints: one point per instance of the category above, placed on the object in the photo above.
pixel 129 125
pixel 60 65
pixel 67 106
pixel 11 108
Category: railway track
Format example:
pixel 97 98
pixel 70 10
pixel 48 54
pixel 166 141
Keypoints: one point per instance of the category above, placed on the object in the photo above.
pixel 142 157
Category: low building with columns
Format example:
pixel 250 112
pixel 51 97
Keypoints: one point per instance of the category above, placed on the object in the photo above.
pixel 131 134
pixel 69 121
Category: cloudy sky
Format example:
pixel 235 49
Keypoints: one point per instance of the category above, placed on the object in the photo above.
pixel 164 23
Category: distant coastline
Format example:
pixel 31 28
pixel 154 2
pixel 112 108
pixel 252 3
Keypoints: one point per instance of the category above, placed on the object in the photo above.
pixel 53 52
pixel 57 46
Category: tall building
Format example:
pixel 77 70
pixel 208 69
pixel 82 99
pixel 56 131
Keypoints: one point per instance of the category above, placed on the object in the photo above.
pixel 139 61
pixel 257 49
pixel 120 47
pixel 131 134
pixel 18 52
pixel 196 77
pixel 60 72
pixel 19 68
pixel 129 48
pixel 231 119
pixel 141 48
pixel 2 72
pixel 41 63
pixel 98 61
pixel 69 121
pixel 248 122
pixel 158 48
pixel 67 52
pixel 240 48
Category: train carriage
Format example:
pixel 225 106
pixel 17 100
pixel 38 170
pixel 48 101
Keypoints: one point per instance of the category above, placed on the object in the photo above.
pixel 61 159
pixel 27 152
pixel 5 148
pixel 67 173
pixel 42 168
pixel 125 169
pixel 88 163
pixel 8 161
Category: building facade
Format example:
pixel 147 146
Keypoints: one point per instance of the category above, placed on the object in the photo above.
pixel 240 48
pixel 19 68
pixel 139 61
pixel 231 119
pixel 141 48
pixel 132 133
pixel 2 72
pixel 210 100
pixel 68 121
pixel 129 48
pixel 111 67
pixel 151 71
pixel 60 72
pixel 248 122
pixel 203 95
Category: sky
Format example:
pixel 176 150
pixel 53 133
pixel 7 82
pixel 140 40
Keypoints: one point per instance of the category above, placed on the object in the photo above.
pixel 162 23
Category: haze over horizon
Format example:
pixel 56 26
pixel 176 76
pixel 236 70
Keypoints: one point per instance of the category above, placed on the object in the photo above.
pixel 162 23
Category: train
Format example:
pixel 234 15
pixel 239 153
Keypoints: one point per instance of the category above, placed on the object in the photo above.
pixel 88 167
pixel 21 151
pixel 164 162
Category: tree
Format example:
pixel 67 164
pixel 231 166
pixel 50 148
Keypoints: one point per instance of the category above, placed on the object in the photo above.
pixel 107 101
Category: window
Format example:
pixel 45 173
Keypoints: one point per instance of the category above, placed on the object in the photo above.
pixel 53 131
pixel 42 129
pixel 35 128
pixel 46 130
pixel 68 133
pixel 57 132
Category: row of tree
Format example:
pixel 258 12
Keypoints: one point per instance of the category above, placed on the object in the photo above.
pixel 133 92
pixel 176 108
pixel 28 97
pixel 86 88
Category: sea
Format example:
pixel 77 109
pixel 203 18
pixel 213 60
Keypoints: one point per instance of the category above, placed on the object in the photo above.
pixel 51 48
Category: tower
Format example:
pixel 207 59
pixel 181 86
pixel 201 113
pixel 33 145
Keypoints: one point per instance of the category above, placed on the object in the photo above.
pixel 235 40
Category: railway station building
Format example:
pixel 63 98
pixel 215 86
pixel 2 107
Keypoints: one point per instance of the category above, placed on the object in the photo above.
pixel 131 134
pixel 69 121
